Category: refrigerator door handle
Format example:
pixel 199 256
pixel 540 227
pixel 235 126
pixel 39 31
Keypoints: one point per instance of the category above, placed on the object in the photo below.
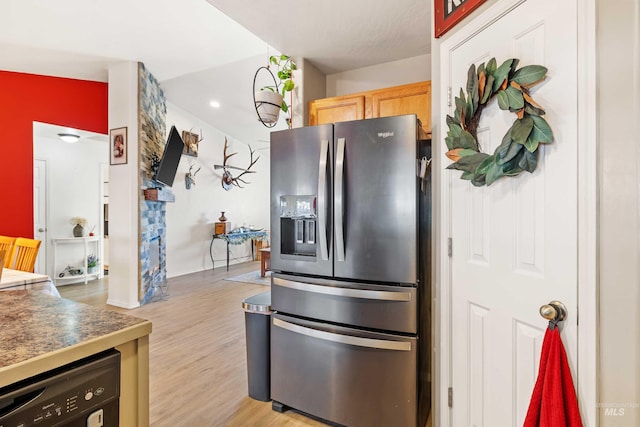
pixel 344 292
pixel 344 339
pixel 339 200
pixel 322 199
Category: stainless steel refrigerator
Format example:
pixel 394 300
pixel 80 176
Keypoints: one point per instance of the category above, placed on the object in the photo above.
pixel 350 233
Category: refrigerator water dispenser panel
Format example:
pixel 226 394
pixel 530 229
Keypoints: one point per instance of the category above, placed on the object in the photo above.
pixel 298 225
pixel 298 206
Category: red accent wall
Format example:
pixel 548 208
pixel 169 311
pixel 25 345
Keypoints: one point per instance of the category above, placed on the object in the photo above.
pixel 25 98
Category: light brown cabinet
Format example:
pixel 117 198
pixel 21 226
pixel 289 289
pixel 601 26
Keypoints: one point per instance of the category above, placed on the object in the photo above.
pixel 336 109
pixel 414 98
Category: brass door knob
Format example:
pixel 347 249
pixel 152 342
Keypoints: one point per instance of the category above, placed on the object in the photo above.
pixel 554 311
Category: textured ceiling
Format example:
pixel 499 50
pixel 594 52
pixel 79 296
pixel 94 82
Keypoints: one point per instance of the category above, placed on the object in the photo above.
pixel 337 35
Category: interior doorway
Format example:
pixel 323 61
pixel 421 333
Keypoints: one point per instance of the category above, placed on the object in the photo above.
pixel 40 212
pixel 104 185
pixel 513 247
pixel 70 184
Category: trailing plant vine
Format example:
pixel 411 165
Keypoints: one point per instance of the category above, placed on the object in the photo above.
pixel 518 151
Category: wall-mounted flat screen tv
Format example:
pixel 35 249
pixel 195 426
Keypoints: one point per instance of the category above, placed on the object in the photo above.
pixel 166 172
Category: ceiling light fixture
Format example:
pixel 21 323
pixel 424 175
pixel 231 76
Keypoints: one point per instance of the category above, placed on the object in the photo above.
pixel 69 137
pixel 215 104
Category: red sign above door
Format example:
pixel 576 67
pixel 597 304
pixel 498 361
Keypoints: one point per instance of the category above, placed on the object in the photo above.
pixel 450 12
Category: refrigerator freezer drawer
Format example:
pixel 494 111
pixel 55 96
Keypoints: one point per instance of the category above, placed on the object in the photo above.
pixel 343 375
pixel 389 308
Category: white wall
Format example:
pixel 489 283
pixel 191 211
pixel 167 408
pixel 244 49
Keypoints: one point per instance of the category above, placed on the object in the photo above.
pixel 619 181
pixel 312 85
pixel 124 189
pixel 73 184
pixel 404 71
pixel 191 218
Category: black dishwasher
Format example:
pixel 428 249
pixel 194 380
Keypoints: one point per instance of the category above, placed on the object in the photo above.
pixel 82 393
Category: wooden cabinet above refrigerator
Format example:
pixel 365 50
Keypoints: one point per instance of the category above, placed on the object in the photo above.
pixel 413 98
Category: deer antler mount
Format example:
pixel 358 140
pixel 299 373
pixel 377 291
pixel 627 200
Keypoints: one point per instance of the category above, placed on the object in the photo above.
pixel 191 141
pixel 228 180
pixel 190 177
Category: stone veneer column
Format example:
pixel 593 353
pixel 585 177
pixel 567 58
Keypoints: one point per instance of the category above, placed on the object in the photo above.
pixel 152 109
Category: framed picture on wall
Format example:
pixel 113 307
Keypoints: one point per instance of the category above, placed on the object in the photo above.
pixel 450 12
pixel 118 146
pixel 191 141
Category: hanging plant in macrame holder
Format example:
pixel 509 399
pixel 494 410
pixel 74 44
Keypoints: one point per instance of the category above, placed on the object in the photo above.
pixel 518 151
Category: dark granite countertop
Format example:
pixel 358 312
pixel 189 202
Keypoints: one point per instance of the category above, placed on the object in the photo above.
pixel 34 326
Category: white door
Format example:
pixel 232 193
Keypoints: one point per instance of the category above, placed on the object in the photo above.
pixel 40 213
pixel 514 244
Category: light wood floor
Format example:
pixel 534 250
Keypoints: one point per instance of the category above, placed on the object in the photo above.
pixel 197 357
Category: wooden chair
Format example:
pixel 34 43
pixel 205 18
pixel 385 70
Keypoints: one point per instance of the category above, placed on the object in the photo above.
pixel 3 254
pixel 25 252
pixel 6 244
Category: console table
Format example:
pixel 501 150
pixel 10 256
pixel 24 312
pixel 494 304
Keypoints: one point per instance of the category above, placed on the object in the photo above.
pixel 236 238
pixel 84 241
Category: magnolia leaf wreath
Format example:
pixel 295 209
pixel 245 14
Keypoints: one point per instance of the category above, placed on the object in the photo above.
pixel 519 148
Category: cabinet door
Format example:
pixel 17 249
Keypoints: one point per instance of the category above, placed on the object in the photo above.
pixel 413 98
pixel 336 109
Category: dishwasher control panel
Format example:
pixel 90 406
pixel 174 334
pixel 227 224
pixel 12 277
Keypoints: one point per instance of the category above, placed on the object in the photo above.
pixel 73 395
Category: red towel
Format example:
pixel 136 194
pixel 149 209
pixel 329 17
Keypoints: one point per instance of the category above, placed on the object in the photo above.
pixel 553 401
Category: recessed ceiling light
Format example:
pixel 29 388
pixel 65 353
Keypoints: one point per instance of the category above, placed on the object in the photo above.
pixel 69 137
pixel 215 104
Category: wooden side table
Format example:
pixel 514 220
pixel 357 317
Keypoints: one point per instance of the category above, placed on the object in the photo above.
pixel 265 260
